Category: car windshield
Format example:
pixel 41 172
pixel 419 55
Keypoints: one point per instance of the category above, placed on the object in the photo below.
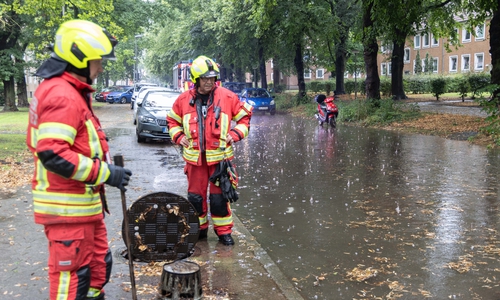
pixel 159 100
pixel 235 87
pixel 260 93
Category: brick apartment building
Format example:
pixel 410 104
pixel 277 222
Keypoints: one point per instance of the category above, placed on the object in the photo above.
pixel 472 55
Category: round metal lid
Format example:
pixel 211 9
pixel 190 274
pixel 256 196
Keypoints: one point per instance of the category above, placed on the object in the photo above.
pixel 162 226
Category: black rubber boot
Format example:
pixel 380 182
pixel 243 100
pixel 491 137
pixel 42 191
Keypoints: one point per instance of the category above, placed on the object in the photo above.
pixel 226 239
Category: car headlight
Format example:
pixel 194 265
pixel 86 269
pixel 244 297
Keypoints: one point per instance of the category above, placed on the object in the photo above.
pixel 271 103
pixel 145 119
pixel 251 102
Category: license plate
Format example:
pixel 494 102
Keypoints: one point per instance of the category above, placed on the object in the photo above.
pixel 165 129
pixel 263 108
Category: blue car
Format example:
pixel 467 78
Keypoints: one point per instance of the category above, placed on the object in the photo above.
pixel 121 95
pixel 259 98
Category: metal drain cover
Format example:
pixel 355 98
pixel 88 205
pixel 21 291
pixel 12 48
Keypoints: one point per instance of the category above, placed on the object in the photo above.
pixel 162 226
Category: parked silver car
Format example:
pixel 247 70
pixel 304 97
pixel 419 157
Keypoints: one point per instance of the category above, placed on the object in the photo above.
pixel 152 115
pixel 137 88
pixel 140 96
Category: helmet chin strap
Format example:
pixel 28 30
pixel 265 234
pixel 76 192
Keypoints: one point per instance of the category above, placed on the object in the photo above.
pixel 85 72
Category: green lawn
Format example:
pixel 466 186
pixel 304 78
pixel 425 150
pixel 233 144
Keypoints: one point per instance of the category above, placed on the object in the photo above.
pixel 13 132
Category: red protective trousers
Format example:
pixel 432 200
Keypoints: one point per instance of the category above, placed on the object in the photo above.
pixel 198 185
pixel 79 259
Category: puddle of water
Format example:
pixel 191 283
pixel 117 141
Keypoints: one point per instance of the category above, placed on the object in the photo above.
pixel 328 205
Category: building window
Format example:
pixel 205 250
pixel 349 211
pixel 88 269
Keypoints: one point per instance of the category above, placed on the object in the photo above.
pixel 272 65
pixel 434 65
pixel 346 74
pixel 478 61
pixel 389 68
pixel 425 40
pixel 465 62
pixel 435 41
pixel 406 57
pixel 383 69
pixel 307 74
pixel 480 32
pixel 453 63
pixel 465 36
pixel 416 41
pixel 320 73
pixel 272 76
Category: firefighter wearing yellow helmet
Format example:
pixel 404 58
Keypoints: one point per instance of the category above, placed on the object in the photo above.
pixel 201 121
pixel 72 164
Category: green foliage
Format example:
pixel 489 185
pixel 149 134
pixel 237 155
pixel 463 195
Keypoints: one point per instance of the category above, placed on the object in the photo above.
pixel 380 112
pixel 284 101
pixel 491 106
pixel 385 86
pixel 438 86
pixel 477 82
pixel 462 86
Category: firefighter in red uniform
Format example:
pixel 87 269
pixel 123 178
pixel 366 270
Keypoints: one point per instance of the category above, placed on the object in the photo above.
pixel 200 121
pixel 70 153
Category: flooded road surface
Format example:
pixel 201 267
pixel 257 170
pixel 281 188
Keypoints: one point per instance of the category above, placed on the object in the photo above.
pixel 355 213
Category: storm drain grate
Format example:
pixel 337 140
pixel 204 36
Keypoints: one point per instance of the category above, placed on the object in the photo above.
pixel 162 226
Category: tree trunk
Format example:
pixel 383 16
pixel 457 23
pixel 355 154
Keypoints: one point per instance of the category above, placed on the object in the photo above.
pixel 340 60
pixel 276 77
pixel 262 68
pixel 397 88
pixel 22 93
pixel 10 95
pixel 299 67
pixel 495 53
pixel 370 45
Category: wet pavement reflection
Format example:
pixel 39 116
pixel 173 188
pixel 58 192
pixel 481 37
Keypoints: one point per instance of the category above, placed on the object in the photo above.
pixel 357 213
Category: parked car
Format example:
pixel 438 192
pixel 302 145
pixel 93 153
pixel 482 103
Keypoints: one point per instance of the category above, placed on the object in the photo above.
pixel 101 96
pixel 121 95
pixel 140 96
pixel 137 88
pixel 260 99
pixel 152 115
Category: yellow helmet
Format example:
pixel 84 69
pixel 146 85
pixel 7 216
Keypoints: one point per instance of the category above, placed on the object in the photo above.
pixel 78 41
pixel 203 66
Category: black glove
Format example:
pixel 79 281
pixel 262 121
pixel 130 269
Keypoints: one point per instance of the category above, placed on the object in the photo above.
pixel 119 177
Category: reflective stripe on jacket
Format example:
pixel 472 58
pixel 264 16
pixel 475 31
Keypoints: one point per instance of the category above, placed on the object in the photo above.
pixel 69 149
pixel 209 134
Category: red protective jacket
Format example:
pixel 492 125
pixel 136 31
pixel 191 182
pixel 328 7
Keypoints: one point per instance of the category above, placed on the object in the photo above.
pixel 209 134
pixel 69 149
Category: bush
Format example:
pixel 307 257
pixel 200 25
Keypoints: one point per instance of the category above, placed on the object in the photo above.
pixel 478 81
pixel 438 86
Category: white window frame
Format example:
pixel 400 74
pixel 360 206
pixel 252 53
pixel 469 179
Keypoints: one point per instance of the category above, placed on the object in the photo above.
pixel 462 65
pixel 272 64
pixel 389 68
pixel 406 58
pixel 346 74
pixel 476 61
pixel 480 37
pixel 272 76
pixel 423 65
pixel 451 63
pixel 426 40
pixel 465 32
pixel 307 74
pixel 434 41
pixel 383 69
pixel 322 73
pixel 416 41
pixel 435 65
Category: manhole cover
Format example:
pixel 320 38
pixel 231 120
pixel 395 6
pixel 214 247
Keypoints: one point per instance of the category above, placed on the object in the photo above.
pixel 162 226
